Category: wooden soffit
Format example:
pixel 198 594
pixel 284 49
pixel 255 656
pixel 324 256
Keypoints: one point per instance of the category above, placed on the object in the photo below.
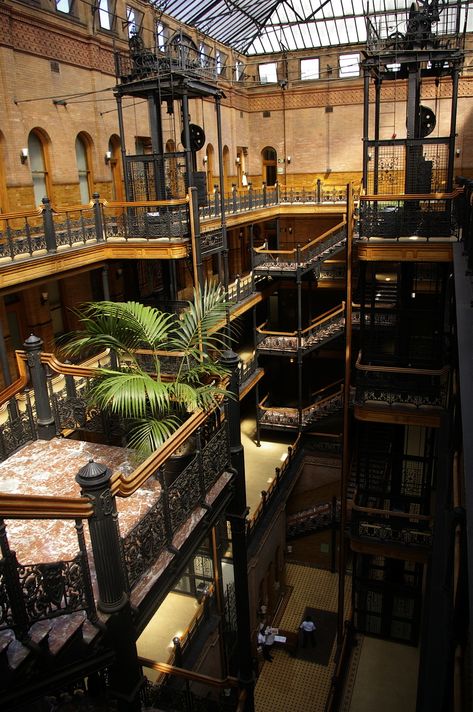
pixel 48 265
pixel 404 252
pixel 428 418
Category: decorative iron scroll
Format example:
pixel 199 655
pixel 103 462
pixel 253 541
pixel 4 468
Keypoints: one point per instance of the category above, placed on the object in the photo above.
pixel 211 242
pixel 305 259
pixel 18 429
pixel 184 494
pixel 408 535
pixel 72 231
pixel 216 457
pixel 53 589
pixel 144 543
pixel 6 608
pixel 393 391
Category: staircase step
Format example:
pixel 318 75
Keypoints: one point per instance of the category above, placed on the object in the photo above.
pixel 89 632
pixel 65 630
pixel 16 654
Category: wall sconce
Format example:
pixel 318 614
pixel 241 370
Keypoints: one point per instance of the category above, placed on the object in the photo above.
pixel 288 159
pixel 238 160
pixel 289 229
pixel 24 155
pixel 108 156
pixel 205 159
pixel 457 152
pixel 44 298
pixel 370 156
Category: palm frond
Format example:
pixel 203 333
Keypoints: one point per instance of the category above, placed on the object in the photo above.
pixel 147 435
pixel 131 394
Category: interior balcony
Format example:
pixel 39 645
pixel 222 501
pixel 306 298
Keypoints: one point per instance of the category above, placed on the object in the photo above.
pixel 392 394
pixel 415 227
pixel 390 533
pixel 327 405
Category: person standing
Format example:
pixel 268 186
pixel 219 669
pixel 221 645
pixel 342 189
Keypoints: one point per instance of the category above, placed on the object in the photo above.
pixel 308 631
pixel 269 641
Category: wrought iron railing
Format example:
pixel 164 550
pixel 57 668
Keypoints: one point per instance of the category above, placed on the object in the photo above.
pixel 322 329
pixel 31 592
pixel 391 385
pixel 141 62
pixel 310 256
pixel 328 402
pixel 408 216
pixel 320 516
pixel 388 527
pixel 52 229
pixel 267 496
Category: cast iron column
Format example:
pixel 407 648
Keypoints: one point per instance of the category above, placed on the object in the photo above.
pixel 236 515
pixel 44 418
pixel 125 673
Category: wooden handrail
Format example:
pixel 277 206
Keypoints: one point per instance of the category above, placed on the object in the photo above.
pixel 401 369
pixel 322 401
pixel 28 213
pixel 318 320
pixel 143 203
pixel 188 674
pixel 276 333
pixel 413 196
pixel 37 507
pixel 310 244
pixel 324 235
pixel 325 388
pixel 389 513
pixel 18 385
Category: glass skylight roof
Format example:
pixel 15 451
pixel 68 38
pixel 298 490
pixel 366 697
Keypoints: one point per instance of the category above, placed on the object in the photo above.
pixel 262 26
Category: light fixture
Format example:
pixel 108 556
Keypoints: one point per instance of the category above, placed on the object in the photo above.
pixel 370 156
pixel 44 298
pixel 108 156
pixel 238 160
pixel 289 159
pixel 205 159
pixel 457 152
pixel 24 155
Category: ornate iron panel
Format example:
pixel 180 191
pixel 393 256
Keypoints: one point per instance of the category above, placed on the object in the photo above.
pixel 144 543
pixel 216 457
pixel 6 612
pixel 53 589
pixel 184 494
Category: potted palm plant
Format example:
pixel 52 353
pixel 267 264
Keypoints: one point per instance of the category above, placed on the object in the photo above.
pixel 163 366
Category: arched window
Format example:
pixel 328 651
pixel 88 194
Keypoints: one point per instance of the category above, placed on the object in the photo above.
pixel 83 168
pixel 38 159
pixel 114 147
pixel 210 167
pixel 269 159
pixel 226 166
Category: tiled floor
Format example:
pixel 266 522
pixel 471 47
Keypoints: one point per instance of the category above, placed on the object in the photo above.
pixel 289 683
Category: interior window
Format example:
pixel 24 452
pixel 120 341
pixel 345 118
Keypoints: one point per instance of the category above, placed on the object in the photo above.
pixel 105 14
pixel 83 170
pixel 268 73
pixel 349 65
pixel 64 5
pixel 310 68
pixel 38 167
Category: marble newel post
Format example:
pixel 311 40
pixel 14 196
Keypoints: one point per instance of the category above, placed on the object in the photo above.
pixel 125 678
pixel 44 418
pixel 236 515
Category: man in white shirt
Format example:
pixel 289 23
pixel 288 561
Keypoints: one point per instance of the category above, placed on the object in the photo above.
pixel 308 631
